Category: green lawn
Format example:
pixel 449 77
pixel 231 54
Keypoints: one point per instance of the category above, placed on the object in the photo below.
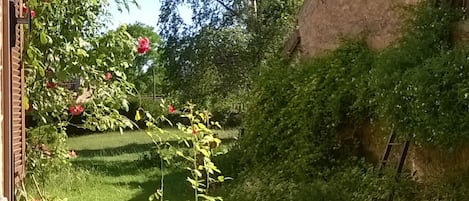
pixel 109 167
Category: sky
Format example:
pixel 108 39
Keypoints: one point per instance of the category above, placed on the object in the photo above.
pixel 147 14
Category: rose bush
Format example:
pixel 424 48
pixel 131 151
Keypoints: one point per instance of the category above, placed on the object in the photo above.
pixel 108 76
pixel 65 59
pixel 76 110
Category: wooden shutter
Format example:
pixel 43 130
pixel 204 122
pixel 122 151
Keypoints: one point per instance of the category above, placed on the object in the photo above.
pixel 17 110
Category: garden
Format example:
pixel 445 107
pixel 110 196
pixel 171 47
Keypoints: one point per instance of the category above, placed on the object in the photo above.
pixel 214 110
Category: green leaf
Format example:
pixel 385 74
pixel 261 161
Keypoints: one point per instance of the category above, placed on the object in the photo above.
pixel 204 152
pixel 125 105
pixel 202 127
pixel 193 182
pixel 125 64
pixel 41 71
pixel 82 53
pixel 49 39
pixel 217 124
pixel 198 173
pixel 43 38
pixel 25 102
pixel 118 73
pixel 99 62
pixel 137 116
pixel 30 53
pixel 210 198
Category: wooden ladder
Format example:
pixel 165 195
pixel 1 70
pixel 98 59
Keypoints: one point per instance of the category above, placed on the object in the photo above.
pixel 402 158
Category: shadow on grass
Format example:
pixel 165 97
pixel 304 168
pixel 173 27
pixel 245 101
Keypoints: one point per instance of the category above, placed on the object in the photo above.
pixel 112 168
pixel 175 187
pixel 115 151
pixel 131 148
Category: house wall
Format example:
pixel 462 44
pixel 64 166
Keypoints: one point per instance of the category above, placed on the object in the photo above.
pixel 323 22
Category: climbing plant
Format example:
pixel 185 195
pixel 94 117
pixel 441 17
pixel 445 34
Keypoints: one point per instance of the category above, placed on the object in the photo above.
pixel 417 87
pixel 304 118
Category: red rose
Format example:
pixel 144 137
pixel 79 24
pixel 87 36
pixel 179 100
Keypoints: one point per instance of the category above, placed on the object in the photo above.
pixel 143 45
pixel 194 131
pixel 25 10
pixel 51 85
pixel 171 109
pixel 76 110
pixel 108 76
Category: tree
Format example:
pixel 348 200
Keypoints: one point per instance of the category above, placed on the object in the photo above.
pixel 225 44
pixel 145 65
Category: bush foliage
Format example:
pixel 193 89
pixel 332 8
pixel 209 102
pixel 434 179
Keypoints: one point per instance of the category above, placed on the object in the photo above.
pixel 298 112
pixel 419 86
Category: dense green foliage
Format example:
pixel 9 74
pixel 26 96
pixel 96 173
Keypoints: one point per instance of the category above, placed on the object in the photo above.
pixel 297 111
pixel 420 83
pixel 302 117
pixel 311 102
pixel 64 48
pixel 216 55
pixel 70 64
pixel 350 184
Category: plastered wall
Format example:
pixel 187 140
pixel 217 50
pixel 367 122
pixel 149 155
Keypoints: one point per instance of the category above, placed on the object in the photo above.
pixel 323 22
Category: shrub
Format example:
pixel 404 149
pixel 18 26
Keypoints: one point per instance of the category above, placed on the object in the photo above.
pixel 356 183
pixel 419 83
pixel 295 113
pixel 294 148
pixel 451 188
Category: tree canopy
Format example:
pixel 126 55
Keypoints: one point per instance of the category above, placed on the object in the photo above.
pixel 221 50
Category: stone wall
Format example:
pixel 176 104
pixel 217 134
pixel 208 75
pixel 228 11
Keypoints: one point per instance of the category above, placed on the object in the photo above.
pixel 426 163
pixel 323 22
pixel 430 163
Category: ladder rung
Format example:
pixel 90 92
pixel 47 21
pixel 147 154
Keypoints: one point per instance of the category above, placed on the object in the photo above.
pixel 394 143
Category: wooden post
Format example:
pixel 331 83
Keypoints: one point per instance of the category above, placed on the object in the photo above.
pixel 1 106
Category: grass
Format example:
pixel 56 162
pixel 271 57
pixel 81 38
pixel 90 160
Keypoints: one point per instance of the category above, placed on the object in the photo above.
pixel 110 167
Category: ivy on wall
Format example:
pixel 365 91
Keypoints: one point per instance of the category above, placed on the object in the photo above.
pixel 419 86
